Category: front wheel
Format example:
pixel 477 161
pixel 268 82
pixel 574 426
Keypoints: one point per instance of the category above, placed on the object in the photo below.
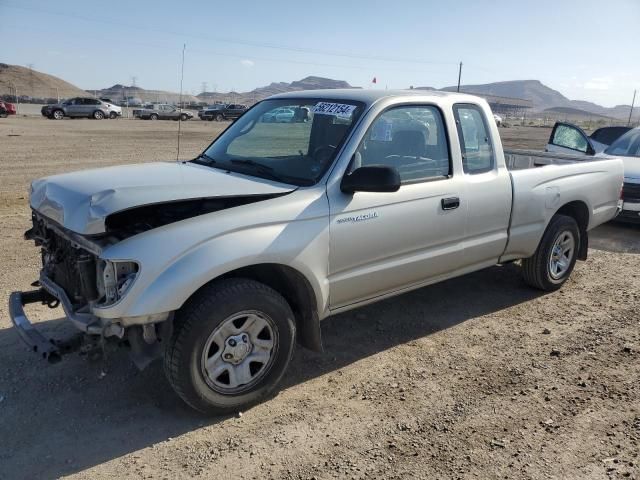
pixel 184 117
pixel 57 115
pixel 113 115
pixel 219 117
pixel 231 345
pixel 556 255
pixel 153 116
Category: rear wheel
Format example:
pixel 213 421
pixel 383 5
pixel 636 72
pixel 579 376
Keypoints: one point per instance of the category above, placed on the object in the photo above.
pixel 57 115
pixel 98 115
pixel 552 263
pixel 231 345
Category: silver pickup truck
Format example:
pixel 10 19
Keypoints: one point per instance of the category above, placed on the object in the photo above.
pixel 221 264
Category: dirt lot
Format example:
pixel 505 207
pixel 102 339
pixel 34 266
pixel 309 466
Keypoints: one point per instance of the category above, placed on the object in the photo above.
pixel 478 377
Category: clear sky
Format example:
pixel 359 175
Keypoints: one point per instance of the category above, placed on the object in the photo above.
pixel 586 49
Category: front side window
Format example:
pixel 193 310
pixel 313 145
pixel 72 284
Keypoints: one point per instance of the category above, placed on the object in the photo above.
pixel 410 139
pixel 288 140
pixel 475 143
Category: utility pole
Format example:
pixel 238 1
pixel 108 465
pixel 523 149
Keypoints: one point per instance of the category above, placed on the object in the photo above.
pixel 459 75
pixel 631 111
pixel 133 81
pixel 204 87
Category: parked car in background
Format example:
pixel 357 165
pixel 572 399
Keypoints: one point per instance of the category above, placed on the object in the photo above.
pixel 294 114
pixel 131 102
pixel 115 110
pixel 571 139
pixel 223 263
pixel 279 115
pixel 227 112
pixel 606 142
pixel 497 119
pixel 87 107
pixel 162 111
pixel 209 113
pixel 7 109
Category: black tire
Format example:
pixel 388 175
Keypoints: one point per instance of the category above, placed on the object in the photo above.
pixel 57 115
pixel 198 320
pixel 153 116
pixel 98 115
pixel 537 269
pixel 184 117
pixel 113 115
pixel 210 119
pixel 219 117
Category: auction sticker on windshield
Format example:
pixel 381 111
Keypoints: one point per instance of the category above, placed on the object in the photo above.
pixel 337 109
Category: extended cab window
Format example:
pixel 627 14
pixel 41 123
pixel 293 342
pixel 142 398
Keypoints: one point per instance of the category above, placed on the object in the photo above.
pixel 411 139
pixel 475 143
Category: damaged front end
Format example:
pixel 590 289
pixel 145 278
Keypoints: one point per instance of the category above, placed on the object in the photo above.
pixel 74 277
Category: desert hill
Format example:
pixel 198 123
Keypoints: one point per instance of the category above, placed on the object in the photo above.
pixel 32 83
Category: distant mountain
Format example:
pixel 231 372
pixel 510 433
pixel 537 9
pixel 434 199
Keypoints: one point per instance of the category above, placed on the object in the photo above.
pixel 118 92
pixel 34 84
pixel 574 112
pixel 307 83
pixel 542 97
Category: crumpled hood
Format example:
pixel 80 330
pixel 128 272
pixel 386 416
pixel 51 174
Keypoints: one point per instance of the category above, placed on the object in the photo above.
pixel 81 201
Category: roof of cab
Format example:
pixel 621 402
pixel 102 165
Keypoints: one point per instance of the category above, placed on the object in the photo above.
pixel 367 96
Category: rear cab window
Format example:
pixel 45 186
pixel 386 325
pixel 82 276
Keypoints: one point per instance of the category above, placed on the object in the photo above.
pixel 475 141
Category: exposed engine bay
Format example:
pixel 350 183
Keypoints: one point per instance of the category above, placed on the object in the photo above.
pixel 136 220
pixel 85 279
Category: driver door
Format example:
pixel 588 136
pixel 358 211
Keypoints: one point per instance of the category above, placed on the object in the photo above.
pixel 569 139
pixel 382 242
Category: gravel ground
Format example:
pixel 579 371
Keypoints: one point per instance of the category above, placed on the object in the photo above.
pixel 477 377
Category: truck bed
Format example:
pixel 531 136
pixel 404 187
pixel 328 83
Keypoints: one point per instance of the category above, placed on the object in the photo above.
pixel 587 183
pixel 523 159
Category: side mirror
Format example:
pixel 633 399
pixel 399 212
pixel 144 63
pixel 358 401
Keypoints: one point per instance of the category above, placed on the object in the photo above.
pixel 374 178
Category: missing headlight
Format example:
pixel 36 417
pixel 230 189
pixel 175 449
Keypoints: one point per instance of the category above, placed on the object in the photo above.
pixel 115 279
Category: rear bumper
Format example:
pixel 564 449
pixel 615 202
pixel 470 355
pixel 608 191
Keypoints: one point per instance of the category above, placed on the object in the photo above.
pixel 37 342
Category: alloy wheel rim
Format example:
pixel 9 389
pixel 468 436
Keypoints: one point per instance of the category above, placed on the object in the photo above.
pixel 239 352
pixel 561 255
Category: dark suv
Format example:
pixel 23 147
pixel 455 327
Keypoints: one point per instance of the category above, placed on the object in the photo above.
pixel 222 112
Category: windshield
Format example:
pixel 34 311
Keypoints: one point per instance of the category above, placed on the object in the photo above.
pixel 627 145
pixel 289 140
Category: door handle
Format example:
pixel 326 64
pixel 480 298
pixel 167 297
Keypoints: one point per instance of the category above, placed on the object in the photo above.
pixel 450 203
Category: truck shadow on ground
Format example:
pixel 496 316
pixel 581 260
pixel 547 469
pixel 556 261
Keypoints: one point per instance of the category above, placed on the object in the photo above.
pixel 60 419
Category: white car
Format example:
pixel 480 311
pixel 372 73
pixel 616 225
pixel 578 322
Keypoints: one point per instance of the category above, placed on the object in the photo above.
pixel 498 119
pixel 115 111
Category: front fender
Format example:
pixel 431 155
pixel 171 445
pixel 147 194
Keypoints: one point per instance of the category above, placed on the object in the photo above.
pixel 171 273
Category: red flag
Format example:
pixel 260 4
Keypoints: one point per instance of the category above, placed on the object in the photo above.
pixel 374 80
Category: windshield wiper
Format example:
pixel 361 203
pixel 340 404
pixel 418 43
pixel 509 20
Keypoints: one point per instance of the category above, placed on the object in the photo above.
pixel 207 159
pixel 260 168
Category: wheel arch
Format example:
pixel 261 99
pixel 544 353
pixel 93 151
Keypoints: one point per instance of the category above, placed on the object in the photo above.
pixel 296 290
pixel 579 211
